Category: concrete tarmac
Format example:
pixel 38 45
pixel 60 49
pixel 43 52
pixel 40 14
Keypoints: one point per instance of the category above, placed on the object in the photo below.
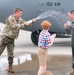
pixel 26 61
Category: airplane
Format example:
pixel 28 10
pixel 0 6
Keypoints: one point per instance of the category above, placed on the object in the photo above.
pixel 34 8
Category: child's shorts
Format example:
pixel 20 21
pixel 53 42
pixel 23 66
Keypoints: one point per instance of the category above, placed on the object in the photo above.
pixel 42 55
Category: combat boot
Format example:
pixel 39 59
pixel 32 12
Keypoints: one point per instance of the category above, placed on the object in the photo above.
pixel 72 73
pixel 10 68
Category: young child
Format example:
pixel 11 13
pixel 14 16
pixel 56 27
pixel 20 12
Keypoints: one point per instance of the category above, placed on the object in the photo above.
pixel 44 42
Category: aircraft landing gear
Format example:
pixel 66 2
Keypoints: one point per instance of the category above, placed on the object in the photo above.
pixel 34 37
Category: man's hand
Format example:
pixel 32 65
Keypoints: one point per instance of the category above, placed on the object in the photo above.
pixel 26 24
pixel 66 25
pixel 33 20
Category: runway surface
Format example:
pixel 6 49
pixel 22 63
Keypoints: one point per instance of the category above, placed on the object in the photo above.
pixel 26 60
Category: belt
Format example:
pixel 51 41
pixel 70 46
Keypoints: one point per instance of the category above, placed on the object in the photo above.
pixel 43 48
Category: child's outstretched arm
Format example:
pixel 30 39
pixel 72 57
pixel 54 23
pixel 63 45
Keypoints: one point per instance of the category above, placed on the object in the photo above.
pixel 52 39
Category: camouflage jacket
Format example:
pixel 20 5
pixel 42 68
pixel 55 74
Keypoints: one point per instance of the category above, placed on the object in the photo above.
pixel 12 27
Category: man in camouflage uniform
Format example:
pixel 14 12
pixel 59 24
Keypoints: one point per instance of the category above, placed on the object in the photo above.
pixel 13 23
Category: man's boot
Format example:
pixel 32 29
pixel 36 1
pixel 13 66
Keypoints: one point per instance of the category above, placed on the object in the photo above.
pixel 72 73
pixel 10 68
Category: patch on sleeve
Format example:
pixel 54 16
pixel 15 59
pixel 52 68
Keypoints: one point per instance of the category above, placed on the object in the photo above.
pixel 11 19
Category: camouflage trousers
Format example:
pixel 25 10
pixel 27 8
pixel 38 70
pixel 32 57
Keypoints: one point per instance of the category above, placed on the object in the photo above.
pixel 9 43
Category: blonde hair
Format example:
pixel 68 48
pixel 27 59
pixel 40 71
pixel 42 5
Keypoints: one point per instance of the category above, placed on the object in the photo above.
pixel 45 25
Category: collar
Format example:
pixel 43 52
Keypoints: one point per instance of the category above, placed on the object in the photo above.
pixel 45 30
pixel 72 22
pixel 15 17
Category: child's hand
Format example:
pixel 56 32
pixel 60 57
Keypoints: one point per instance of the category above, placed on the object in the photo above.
pixel 54 35
pixel 52 39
